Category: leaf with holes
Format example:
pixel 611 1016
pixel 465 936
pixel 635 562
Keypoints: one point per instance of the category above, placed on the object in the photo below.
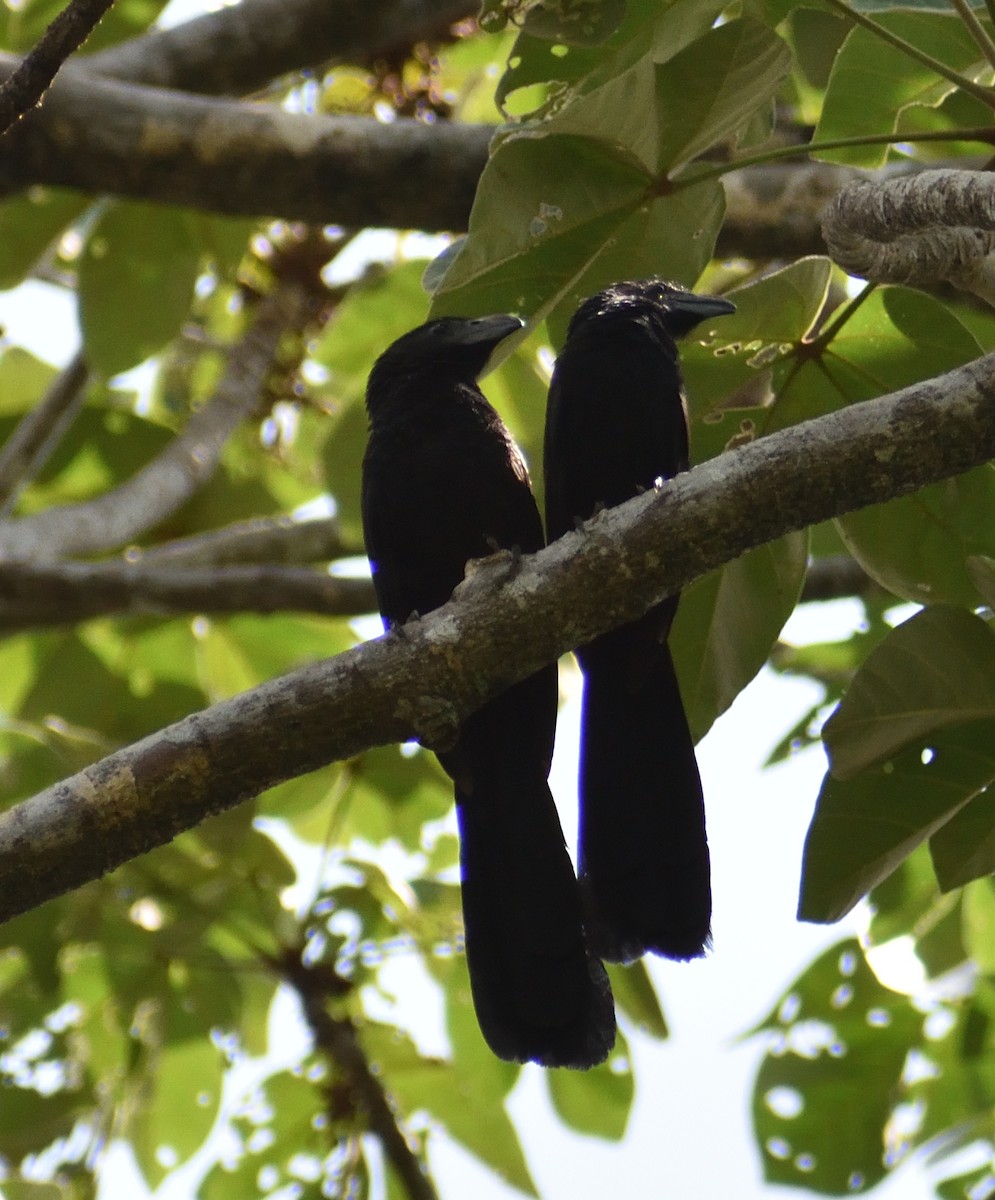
pixel 832 1079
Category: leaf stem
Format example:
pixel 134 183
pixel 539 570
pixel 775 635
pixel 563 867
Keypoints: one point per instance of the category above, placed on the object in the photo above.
pixel 822 339
pixel 976 29
pixel 698 171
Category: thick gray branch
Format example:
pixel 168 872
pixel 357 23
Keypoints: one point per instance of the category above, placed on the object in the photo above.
pixel 425 677
pixel 916 230
pixel 160 488
pixel 232 157
pixel 243 46
pixel 258 160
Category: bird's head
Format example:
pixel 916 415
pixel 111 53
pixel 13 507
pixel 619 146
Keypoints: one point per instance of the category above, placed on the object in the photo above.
pixel 446 349
pixel 653 300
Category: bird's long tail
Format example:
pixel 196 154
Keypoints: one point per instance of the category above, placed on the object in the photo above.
pixel 643 852
pixel 539 994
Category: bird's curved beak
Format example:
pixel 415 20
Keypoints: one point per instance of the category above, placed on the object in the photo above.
pixel 701 307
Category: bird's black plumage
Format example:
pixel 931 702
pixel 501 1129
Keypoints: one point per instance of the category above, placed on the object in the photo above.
pixel 616 424
pixel 443 483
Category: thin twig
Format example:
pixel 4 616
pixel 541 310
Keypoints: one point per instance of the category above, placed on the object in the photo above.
pixel 336 1037
pixel 32 79
pixel 40 431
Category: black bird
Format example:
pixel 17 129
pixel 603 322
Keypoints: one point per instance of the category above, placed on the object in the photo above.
pixel 615 425
pixel 443 483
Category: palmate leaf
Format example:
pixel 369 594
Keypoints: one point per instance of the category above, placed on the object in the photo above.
pixel 558 194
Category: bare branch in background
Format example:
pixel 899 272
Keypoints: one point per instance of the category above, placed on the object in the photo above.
pixel 424 678
pixel 335 1037
pixel 160 488
pixel 242 47
pixel 835 578
pixel 34 595
pixel 248 159
pixel 22 90
pixel 272 540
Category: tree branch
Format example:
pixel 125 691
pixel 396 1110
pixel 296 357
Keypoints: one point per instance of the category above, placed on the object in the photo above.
pixel 337 1039
pixel 269 540
pixel 67 32
pixel 248 159
pixel 836 578
pixel 258 160
pixel 36 595
pixel 161 487
pixel 243 46
pixel 424 678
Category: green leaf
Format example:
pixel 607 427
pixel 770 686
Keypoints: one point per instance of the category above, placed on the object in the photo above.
pixel 577 23
pixel 831 1080
pixel 964 849
pixel 981 569
pixel 343 461
pixel 375 312
pixel 873 82
pixel 896 337
pixel 636 997
pixel 537 60
pixel 23 380
pixel 707 93
pixel 908 902
pixel 31 1121
pixel 921 547
pixel 865 826
pixel 545 204
pixel 916 546
pixel 728 376
pixel 934 670
pixel 469 1098
pixel 29 224
pixel 136 277
pixel 979 925
pixel 728 621
pixel 596 1102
